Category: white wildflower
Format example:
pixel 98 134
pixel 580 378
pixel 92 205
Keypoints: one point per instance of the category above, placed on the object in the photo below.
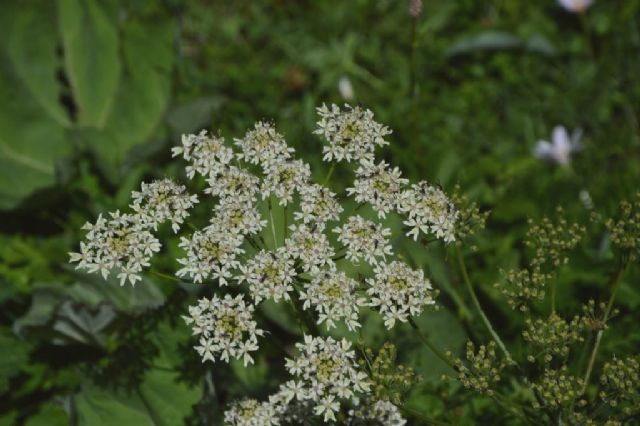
pixel 378 185
pixel 238 217
pixel 352 134
pixel 264 146
pixel 333 295
pixel 345 88
pixel 576 6
pixel 284 178
pixel 206 154
pixel 122 243
pixel 318 205
pixel 233 183
pixel 210 253
pixel 399 292
pixel 312 248
pixel 269 275
pixel 226 328
pixel 560 148
pixel 250 412
pixel 364 239
pixel 380 412
pixel 162 200
pixel 324 366
pixel 429 210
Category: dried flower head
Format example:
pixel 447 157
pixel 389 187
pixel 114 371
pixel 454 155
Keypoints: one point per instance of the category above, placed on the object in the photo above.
pixel 558 388
pixel 522 287
pixel 553 336
pixel 551 241
pixel 482 370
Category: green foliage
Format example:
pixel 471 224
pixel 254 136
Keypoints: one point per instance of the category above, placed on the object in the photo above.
pixel 92 93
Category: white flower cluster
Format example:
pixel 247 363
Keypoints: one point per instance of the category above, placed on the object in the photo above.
pixel 378 185
pixel 160 201
pixel 353 134
pixel 380 412
pixel 399 292
pixel 327 373
pixel 333 294
pixel 429 210
pixel 304 268
pixel 122 242
pixel 226 327
pixel 327 376
pixel 364 239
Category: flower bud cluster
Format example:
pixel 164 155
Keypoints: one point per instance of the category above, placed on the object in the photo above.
pixel 482 369
pixel 390 381
pixel 620 380
pixel 551 241
pixel 471 219
pixel 554 335
pixel 523 287
pixel 624 230
pixel 557 389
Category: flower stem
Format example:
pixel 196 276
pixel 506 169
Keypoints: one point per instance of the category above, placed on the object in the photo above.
pixel 430 345
pixel 614 283
pixel 476 302
pixel 273 225
pixel 284 215
pixel 329 174
pixel 165 276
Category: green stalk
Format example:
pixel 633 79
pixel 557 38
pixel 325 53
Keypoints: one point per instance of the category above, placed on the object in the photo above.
pixel 476 302
pixel 614 283
pixel 165 276
pixel 430 345
pixel 273 225
pixel 331 169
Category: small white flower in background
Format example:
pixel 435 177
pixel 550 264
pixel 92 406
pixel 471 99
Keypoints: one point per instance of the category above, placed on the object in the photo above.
pixel 333 295
pixel 364 239
pixel 576 6
pixel 378 185
pixel 122 243
pixel 560 148
pixel 328 369
pixel 429 210
pixel 352 134
pixel 162 200
pixel 226 328
pixel 250 412
pixel 399 292
pixel 345 88
pixel 269 275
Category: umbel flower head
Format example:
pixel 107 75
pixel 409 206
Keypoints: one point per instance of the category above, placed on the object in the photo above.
pixel 304 256
pixel 226 328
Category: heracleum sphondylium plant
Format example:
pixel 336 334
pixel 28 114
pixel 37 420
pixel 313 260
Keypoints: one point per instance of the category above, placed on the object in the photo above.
pixel 304 264
pixel 300 265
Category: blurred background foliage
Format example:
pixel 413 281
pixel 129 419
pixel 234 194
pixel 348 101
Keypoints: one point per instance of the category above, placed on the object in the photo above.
pixel 93 93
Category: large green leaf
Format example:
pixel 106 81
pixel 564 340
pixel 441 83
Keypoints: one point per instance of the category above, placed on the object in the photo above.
pixel 31 141
pixel 32 138
pixel 31 40
pixel 160 400
pixel 90 44
pixel 15 354
pixel 144 92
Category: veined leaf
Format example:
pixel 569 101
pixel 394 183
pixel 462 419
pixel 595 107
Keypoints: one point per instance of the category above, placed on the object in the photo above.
pixel 90 44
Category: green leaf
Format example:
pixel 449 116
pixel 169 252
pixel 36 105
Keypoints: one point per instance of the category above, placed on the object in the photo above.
pixel 31 141
pixel 90 43
pixel 31 41
pixel 144 92
pixel 159 401
pixel 15 354
pixel 49 415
